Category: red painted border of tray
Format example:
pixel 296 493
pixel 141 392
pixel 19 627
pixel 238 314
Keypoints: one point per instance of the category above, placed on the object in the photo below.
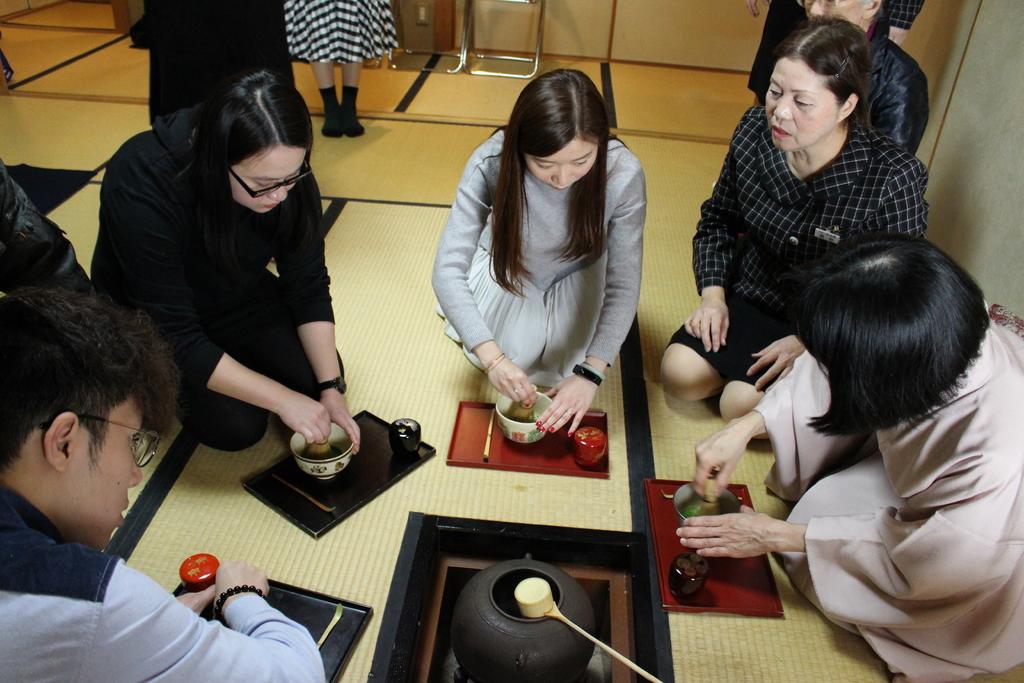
pixel 550 455
pixel 739 586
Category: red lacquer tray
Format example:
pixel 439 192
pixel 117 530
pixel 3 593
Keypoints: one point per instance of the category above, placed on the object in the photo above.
pixel 550 455
pixel 740 586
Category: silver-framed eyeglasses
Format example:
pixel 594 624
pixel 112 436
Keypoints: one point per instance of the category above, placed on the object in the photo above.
pixel 304 171
pixel 144 441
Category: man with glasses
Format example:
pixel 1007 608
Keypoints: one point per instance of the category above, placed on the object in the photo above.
pixel 85 387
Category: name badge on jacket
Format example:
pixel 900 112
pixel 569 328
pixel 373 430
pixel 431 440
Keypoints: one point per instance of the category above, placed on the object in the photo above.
pixel 830 237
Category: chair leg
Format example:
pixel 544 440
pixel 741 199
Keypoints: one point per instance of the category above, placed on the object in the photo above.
pixel 534 61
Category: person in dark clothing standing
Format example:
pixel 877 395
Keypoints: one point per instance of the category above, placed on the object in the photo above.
pixel 195 44
pixel 898 90
pixel 33 250
pixel 191 214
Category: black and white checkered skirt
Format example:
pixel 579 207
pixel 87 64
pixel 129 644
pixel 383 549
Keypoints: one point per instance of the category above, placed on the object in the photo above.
pixel 339 30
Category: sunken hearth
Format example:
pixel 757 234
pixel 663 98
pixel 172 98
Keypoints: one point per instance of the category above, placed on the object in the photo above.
pixel 441 554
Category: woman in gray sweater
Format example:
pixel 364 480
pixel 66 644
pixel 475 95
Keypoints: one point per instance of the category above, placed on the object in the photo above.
pixel 538 269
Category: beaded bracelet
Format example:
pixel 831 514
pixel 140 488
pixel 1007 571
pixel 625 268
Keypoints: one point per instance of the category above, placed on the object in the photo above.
pixel 234 590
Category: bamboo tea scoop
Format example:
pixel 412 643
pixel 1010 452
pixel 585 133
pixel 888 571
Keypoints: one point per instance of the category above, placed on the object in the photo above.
pixel 535 600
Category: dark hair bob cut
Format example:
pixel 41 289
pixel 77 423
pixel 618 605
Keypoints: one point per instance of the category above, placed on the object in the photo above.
pixel 551 111
pixel 894 323
pixel 839 51
pixel 244 115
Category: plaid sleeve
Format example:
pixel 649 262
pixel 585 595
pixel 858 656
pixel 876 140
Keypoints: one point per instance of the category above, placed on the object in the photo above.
pixel 904 209
pixel 903 12
pixel 714 242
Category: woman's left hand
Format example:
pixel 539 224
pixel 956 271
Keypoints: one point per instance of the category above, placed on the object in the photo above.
pixel 337 408
pixel 778 357
pixel 743 534
pixel 572 398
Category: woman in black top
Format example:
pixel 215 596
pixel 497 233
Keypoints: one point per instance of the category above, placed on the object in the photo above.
pixel 802 174
pixel 191 214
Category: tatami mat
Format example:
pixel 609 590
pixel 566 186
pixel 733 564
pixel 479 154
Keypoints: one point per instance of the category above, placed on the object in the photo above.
pixel 679 178
pixel 400 364
pixel 31 51
pixel 483 99
pixel 79 218
pixel 690 102
pixel 118 72
pixel 89 15
pixel 65 134
pixel 396 161
pixel 380 89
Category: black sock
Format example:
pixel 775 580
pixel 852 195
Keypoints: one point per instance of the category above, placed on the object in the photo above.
pixel 349 92
pixel 350 122
pixel 329 97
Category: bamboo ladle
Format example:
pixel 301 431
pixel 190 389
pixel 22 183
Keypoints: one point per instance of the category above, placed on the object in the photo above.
pixel 535 600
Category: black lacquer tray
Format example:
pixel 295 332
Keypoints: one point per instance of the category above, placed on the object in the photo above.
pixel 315 611
pixel 372 470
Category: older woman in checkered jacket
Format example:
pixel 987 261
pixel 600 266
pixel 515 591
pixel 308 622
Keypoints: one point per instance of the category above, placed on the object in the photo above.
pixel 802 174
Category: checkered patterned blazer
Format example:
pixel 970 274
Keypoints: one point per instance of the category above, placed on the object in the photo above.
pixel 873 185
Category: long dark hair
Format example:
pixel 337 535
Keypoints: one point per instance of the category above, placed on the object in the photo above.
pixel 243 116
pixel 839 51
pixel 894 323
pixel 550 113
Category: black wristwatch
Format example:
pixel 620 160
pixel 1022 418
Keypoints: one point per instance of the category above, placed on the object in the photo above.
pixel 336 383
pixel 587 374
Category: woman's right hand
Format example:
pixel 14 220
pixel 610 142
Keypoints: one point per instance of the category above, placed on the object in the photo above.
pixel 710 322
pixel 237 573
pixel 509 379
pixel 305 416
pixel 719 454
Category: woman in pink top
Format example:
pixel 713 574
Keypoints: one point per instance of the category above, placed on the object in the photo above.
pixel 899 437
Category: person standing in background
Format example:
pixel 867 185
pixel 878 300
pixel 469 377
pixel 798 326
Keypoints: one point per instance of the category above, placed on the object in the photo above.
pixel 195 44
pixel 325 32
pixel 899 89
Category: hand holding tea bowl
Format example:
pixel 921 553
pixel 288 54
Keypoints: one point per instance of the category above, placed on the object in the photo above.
pixel 572 397
pixel 322 460
pixel 743 534
pixel 518 430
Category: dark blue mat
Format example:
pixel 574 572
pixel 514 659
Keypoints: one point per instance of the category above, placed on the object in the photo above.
pixel 48 188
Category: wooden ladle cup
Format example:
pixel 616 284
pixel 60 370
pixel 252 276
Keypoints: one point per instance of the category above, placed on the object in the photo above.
pixel 533 595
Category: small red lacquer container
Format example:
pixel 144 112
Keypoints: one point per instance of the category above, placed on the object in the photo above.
pixel 590 447
pixel 198 572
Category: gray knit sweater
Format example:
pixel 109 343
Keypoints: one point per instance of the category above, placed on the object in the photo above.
pixel 545 234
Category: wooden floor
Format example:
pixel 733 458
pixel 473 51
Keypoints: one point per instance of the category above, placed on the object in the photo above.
pixel 80 90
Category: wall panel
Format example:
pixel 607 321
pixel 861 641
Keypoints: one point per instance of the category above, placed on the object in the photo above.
pixel 975 186
pixel 571 27
pixel 718 34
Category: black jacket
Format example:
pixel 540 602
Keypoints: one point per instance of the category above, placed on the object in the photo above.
pixel 899 91
pixel 151 255
pixel 33 250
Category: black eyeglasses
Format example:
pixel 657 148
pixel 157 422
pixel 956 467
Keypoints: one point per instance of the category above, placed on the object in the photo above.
pixel 304 171
pixel 144 441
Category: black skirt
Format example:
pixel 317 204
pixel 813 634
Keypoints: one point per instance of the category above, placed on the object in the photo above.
pixel 751 328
